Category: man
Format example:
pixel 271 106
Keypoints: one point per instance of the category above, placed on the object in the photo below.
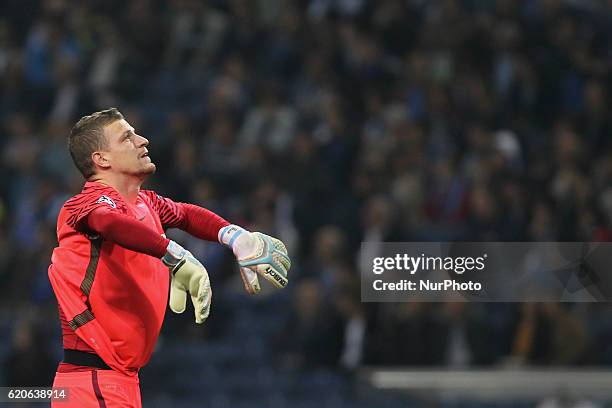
pixel 110 270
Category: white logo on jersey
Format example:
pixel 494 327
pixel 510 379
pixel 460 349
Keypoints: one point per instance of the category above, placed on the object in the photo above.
pixel 107 200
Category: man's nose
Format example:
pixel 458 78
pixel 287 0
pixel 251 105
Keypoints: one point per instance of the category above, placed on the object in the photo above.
pixel 142 141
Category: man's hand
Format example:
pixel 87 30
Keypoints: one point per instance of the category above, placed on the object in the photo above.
pixel 257 253
pixel 188 276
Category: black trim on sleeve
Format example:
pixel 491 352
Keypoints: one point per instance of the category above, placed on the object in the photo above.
pixel 90 273
pixel 80 319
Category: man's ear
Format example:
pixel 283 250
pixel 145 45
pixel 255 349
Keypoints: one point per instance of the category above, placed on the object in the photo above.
pixel 101 159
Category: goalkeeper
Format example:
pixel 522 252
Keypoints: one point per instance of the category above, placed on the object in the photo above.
pixel 114 267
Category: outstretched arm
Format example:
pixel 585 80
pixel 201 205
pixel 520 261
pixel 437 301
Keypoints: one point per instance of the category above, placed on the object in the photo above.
pixel 195 220
pixel 256 253
pixel 126 232
pixel 188 274
pixel 200 222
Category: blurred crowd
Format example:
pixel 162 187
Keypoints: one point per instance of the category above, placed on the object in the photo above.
pixel 327 123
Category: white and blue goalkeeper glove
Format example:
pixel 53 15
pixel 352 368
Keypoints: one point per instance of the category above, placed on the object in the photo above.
pixel 188 276
pixel 257 253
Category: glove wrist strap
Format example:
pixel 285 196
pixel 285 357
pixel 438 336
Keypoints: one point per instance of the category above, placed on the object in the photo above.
pixel 174 253
pixel 229 234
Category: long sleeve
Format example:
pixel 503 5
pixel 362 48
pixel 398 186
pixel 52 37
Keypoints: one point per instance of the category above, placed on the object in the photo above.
pixel 195 220
pixel 202 223
pixel 127 232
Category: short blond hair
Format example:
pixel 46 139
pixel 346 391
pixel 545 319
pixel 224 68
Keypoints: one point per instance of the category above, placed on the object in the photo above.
pixel 87 136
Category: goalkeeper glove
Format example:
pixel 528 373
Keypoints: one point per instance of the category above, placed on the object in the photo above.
pixel 257 253
pixel 188 276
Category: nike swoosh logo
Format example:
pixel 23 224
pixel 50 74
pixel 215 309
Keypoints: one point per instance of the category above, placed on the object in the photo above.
pixel 141 218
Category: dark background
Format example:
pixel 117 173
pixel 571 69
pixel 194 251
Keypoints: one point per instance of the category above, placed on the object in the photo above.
pixel 325 123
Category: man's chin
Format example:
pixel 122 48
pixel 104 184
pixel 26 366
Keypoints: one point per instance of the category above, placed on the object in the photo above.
pixel 149 169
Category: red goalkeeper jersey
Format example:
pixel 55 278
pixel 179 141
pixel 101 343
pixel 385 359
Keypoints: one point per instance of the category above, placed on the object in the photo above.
pixel 112 300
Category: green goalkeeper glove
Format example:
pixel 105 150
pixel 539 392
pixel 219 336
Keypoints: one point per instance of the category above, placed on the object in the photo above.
pixel 188 276
pixel 257 253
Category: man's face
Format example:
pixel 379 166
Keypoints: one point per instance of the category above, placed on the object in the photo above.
pixel 127 151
